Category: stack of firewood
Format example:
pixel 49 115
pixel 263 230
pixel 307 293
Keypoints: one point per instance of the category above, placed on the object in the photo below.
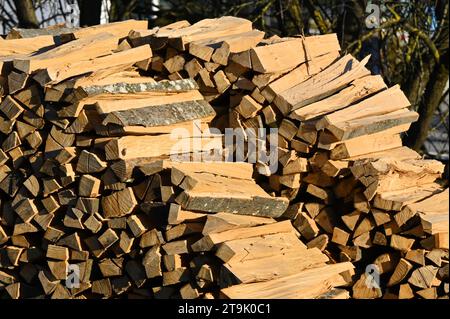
pixel 219 246
pixel 90 118
pixel 407 218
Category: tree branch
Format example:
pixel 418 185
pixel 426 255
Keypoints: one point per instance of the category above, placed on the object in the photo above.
pixel 26 14
pixel 317 16
pixel 425 38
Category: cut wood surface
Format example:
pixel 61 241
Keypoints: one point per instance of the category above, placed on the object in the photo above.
pixel 208 241
pixel 12 47
pixel 303 285
pixel 56 74
pixel 289 262
pixel 240 250
pixel 298 75
pixel 71 52
pixel 357 90
pixel 205 29
pixel 222 221
pixel 119 29
pixel 433 211
pixel 392 99
pixel 322 85
pixel 131 147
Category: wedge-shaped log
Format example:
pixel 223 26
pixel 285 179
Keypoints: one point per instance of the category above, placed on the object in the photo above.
pixel 306 284
pixel 132 147
pixel 59 73
pixel 235 251
pixel 224 221
pixel 357 90
pixel 79 50
pixel 206 192
pixel 210 240
pixel 119 29
pixel 204 29
pixel 162 115
pixel 332 79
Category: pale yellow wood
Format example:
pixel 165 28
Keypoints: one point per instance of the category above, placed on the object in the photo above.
pixel 130 147
pixel 306 284
pixel 11 48
pixel 289 262
pixel 224 221
pixel 79 50
pixel 204 29
pixel 328 141
pixel 208 242
pixel 372 124
pixel 239 170
pixel 119 29
pixel 433 212
pixel 371 144
pixel 285 54
pixel 386 101
pixel 235 44
pixel 56 74
pixel 178 216
pixel 396 200
pixel 278 57
pixel 239 250
pixel 357 90
pixel 321 85
pixel 423 276
pixel 401 271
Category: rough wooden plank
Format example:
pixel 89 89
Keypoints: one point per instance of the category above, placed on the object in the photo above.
pixel 306 284
pixel 288 263
pixel 387 101
pixel 223 221
pixel 235 251
pixel 209 193
pixel 298 75
pixel 322 85
pixel 370 125
pixel 208 241
pixel 357 90
pixel 16 47
pixel 72 52
pixel 132 147
pixel 138 87
pixel 120 102
pixel 119 29
pixel 371 144
pixel 56 74
pixel 160 115
pixel 204 29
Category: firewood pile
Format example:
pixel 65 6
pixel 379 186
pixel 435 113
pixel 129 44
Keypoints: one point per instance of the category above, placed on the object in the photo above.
pixel 99 199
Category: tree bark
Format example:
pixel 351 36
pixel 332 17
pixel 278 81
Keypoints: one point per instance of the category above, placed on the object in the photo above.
pixel 418 132
pixel 295 12
pixel 121 9
pixel 317 16
pixel 90 11
pixel 26 14
pixel 414 86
